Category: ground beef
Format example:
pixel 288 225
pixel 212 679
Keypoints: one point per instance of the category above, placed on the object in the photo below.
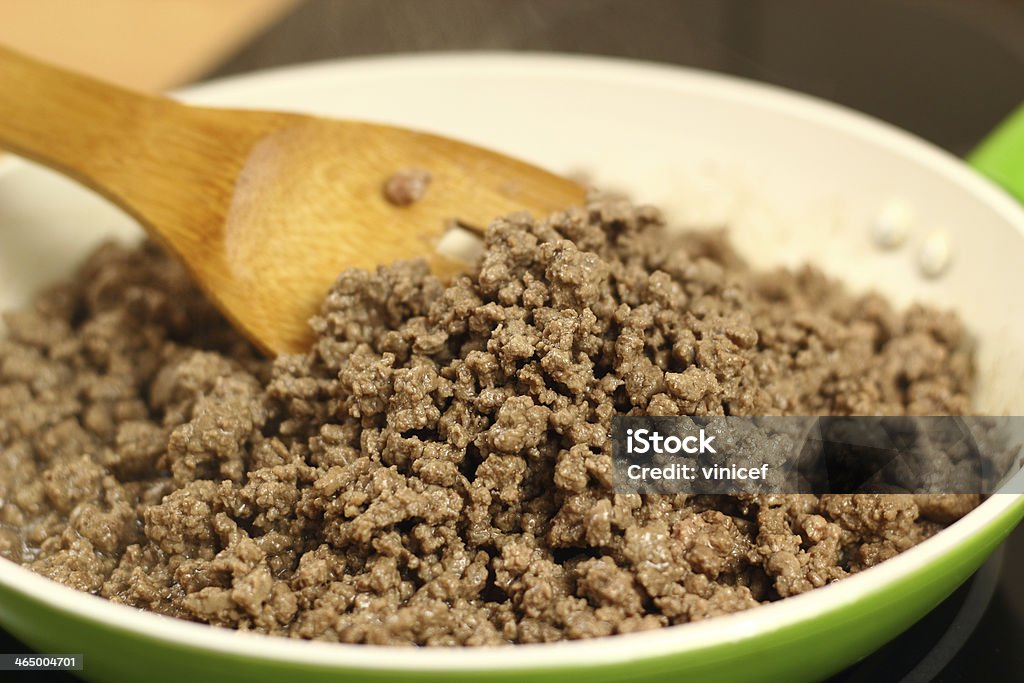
pixel 407 186
pixel 436 470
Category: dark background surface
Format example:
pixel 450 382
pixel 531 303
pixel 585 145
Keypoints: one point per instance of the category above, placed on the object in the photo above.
pixel 947 70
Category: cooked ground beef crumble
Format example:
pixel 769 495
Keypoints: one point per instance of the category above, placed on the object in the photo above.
pixel 436 470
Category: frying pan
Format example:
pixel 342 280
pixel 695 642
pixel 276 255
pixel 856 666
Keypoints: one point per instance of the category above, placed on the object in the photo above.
pixel 794 179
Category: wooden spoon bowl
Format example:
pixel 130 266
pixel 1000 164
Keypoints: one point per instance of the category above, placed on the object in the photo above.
pixel 263 208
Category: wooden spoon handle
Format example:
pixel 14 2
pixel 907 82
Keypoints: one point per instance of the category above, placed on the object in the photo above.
pixel 79 126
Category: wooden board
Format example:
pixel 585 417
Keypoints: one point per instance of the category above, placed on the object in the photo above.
pixel 146 44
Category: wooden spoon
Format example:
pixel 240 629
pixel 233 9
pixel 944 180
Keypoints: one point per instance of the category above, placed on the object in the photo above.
pixel 264 208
